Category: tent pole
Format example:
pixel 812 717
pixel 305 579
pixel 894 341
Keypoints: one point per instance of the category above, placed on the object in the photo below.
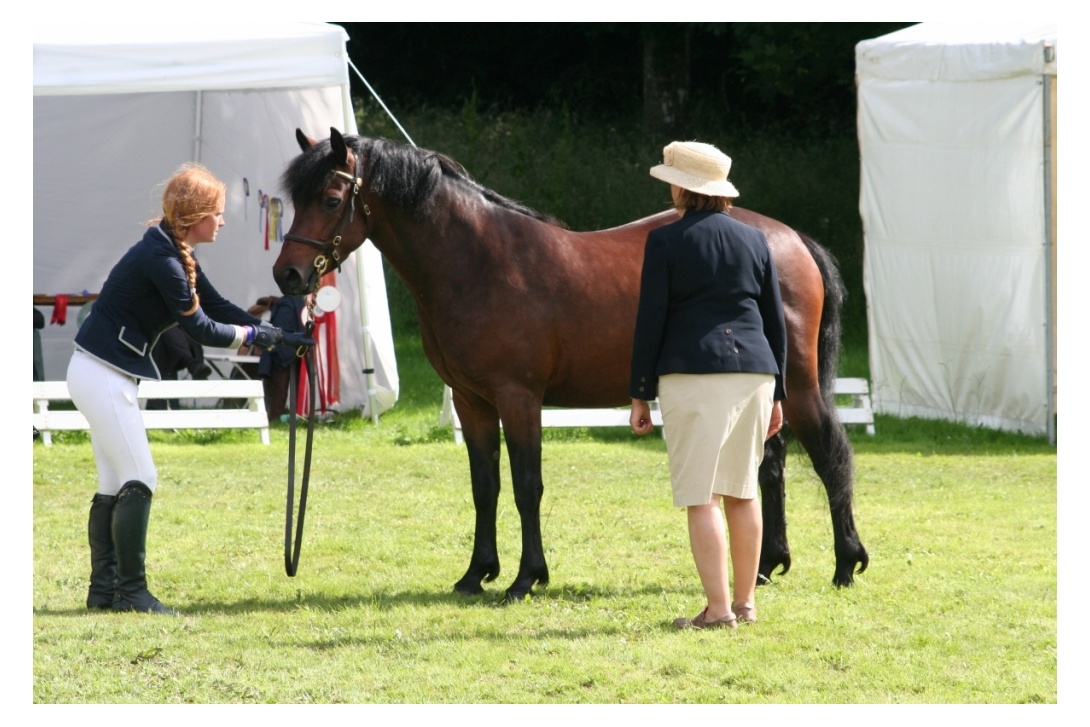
pixel 1047 82
pixel 365 328
pixel 361 284
pixel 197 128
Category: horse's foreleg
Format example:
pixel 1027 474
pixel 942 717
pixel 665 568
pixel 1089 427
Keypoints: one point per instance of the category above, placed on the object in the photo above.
pixel 481 431
pixel 824 439
pixel 522 431
pixel 775 553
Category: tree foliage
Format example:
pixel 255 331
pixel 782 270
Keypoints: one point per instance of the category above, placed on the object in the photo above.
pixel 795 78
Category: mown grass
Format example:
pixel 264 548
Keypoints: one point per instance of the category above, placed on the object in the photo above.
pixel 958 606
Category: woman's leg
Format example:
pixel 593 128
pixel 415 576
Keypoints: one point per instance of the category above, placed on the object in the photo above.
pixel 708 541
pixel 107 398
pixel 745 526
pixel 117 526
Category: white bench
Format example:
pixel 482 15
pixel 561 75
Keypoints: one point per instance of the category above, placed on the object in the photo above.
pixel 252 416
pixel 856 411
pixel 228 363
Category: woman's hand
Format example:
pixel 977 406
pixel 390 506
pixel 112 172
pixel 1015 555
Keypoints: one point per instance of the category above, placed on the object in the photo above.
pixel 776 422
pixel 640 418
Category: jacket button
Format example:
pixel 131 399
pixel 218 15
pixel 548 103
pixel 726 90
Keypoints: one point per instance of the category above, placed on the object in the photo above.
pixel 641 388
pixel 726 330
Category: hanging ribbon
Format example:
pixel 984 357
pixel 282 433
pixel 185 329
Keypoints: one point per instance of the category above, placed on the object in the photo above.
pixel 276 208
pixel 333 366
pixel 325 360
pixel 60 310
pixel 319 360
pixel 265 206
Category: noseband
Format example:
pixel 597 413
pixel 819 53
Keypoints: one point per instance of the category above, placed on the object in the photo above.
pixel 330 251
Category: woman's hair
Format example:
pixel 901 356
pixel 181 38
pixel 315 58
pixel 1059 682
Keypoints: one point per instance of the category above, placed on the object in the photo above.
pixel 688 200
pixel 190 195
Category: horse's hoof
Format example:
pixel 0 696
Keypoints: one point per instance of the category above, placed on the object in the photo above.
pixel 843 578
pixel 468 589
pixel 844 581
pixel 517 596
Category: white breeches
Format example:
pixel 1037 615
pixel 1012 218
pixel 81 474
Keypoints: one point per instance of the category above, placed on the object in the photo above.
pixel 107 398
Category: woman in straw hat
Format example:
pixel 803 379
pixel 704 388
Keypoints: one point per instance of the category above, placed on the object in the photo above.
pixel 711 344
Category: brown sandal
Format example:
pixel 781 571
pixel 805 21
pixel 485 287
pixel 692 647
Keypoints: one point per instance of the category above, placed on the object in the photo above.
pixel 699 622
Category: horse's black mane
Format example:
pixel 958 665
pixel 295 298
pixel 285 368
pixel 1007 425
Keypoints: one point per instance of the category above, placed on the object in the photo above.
pixel 405 176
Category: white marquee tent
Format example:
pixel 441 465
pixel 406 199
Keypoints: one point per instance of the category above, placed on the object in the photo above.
pixel 116 111
pixel 957 136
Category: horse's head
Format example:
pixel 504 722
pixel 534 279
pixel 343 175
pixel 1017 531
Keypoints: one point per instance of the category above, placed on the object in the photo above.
pixel 331 216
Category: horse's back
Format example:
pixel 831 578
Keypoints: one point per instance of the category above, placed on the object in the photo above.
pixel 594 325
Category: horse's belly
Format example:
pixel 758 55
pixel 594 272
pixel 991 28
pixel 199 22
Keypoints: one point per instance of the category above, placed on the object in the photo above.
pixel 590 392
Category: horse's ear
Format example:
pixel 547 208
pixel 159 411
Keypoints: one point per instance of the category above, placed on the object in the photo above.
pixel 340 148
pixel 305 142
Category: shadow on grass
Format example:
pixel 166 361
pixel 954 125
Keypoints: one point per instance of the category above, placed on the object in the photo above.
pixel 382 600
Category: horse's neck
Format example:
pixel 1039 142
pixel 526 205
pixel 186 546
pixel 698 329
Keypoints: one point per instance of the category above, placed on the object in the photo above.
pixel 456 239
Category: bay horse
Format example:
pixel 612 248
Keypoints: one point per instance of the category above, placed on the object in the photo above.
pixel 517 312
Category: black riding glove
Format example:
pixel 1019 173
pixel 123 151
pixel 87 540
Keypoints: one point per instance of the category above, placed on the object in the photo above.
pixel 266 336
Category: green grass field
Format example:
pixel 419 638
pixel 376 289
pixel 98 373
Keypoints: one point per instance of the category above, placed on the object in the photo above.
pixel 959 604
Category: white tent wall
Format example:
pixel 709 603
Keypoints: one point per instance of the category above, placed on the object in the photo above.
pixel 231 100
pixel 956 200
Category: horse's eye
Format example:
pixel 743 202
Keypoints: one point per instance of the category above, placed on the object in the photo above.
pixel 331 203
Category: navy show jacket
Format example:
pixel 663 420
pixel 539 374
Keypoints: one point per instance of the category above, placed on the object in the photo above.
pixel 709 303
pixel 145 294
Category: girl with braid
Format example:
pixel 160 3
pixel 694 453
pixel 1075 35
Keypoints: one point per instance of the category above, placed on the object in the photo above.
pixel 156 285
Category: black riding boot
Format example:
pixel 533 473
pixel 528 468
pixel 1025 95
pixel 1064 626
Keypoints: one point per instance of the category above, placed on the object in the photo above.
pixel 103 560
pixel 130 530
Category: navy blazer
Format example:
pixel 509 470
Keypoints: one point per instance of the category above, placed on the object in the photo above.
pixel 709 303
pixel 144 295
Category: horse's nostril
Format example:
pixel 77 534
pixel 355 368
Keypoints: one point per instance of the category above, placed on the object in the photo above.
pixel 291 282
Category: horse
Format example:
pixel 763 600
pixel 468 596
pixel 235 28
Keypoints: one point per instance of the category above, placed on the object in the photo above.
pixel 518 312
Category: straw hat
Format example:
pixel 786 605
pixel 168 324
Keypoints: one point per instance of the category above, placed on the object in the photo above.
pixel 697 167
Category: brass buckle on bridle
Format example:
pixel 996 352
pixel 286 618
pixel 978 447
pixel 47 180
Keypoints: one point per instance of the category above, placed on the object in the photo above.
pixel 302 350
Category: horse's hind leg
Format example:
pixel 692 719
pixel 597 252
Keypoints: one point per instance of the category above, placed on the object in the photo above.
pixel 481 431
pixel 775 552
pixel 822 436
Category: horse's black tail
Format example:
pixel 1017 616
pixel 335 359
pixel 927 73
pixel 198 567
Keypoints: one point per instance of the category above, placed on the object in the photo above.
pixel 829 338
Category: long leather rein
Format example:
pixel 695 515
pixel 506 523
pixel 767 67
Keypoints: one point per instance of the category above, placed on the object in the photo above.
pixel 291 556
pixel 327 252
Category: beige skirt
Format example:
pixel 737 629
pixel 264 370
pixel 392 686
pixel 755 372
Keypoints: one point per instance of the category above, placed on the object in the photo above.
pixel 715 426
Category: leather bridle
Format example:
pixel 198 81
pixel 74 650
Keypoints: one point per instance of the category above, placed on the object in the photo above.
pixel 330 251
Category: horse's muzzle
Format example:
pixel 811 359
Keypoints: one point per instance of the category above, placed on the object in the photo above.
pixel 292 282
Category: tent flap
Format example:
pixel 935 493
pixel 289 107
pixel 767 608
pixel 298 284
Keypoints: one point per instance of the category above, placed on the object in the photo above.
pixel 118 59
pixel 229 98
pixel 954 201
